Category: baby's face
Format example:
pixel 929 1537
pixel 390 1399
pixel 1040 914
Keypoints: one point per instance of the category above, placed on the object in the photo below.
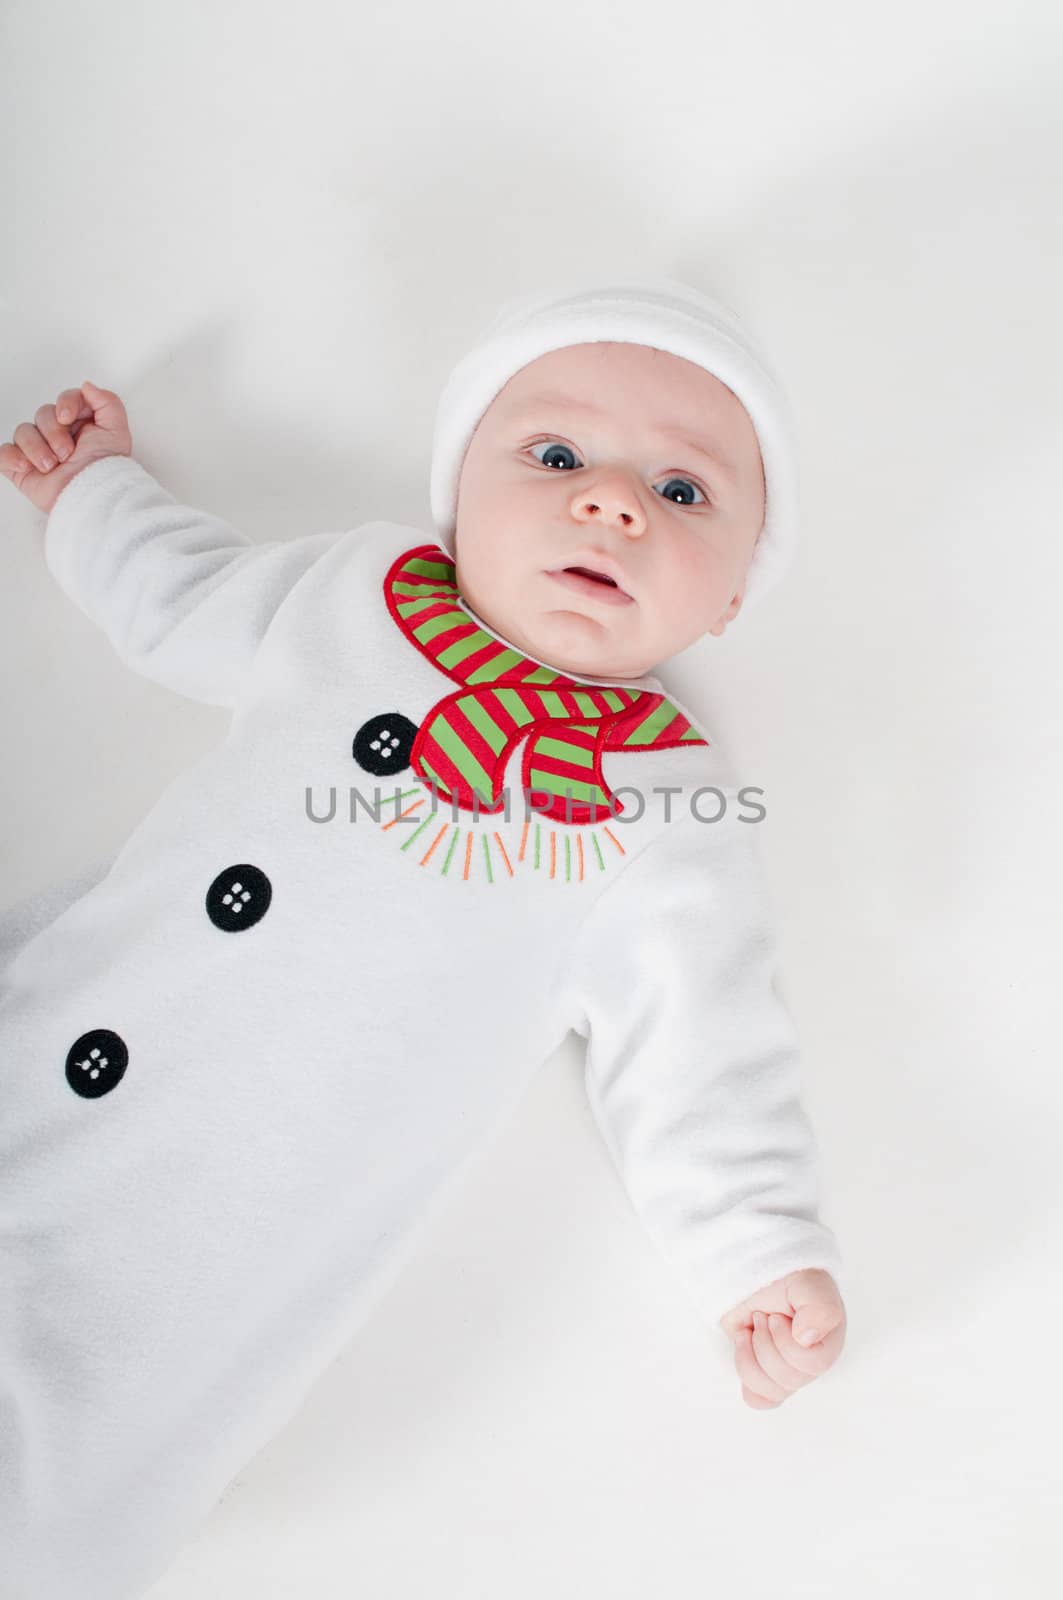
pixel 597 455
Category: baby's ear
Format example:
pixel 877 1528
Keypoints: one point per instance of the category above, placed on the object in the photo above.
pixel 734 607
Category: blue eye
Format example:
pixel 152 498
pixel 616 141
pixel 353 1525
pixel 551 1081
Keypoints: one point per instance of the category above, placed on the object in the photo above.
pixel 555 448
pixel 686 483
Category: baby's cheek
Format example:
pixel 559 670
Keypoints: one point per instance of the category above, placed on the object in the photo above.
pixel 694 581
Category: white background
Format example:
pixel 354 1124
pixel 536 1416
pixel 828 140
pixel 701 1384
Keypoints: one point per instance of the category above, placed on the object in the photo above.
pixel 273 233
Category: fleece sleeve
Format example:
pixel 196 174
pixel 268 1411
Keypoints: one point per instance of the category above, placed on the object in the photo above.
pixel 693 1069
pixel 183 598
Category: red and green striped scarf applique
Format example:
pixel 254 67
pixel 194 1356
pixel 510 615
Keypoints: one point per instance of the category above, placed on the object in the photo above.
pixel 463 746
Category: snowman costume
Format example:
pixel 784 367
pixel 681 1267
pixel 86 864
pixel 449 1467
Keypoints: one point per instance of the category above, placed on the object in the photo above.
pixel 245 1059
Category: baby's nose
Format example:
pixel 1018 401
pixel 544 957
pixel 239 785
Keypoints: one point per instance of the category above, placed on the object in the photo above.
pixel 611 499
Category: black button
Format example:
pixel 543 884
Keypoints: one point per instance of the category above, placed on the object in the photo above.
pixel 95 1063
pixel 238 898
pixel 383 744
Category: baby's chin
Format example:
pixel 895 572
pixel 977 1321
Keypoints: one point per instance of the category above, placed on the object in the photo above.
pixel 577 642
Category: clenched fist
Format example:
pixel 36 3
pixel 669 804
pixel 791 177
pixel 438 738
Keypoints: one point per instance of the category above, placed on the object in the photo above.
pixel 83 425
pixel 785 1335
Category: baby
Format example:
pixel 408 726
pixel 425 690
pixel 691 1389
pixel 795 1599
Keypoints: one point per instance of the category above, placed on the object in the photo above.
pixel 454 817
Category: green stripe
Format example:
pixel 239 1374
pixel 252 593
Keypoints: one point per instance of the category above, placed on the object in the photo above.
pixel 568 857
pixel 455 653
pixel 424 823
pixel 483 722
pixel 585 702
pixel 487 858
pixel 443 623
pixel 511 700
pixel 430 569
pixel 400 586
pixel 410 608
pixel 491 670
pixel 598 847
pixel 440 782
pixel 557 786
pixel 450 852
pixel 554 704
pixel 542 675
pixel 575 753
pixel 653 725
pixel 462 757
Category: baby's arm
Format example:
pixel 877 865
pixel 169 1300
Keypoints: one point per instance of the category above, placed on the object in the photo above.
pixel 693 1068
pixel 183 598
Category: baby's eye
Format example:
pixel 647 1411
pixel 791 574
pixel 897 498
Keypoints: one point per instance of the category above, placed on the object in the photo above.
pixel 684 483
pixel 554 448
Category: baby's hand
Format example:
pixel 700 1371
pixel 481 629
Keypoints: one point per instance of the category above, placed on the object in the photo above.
pixel 83 425
pixel 785 1335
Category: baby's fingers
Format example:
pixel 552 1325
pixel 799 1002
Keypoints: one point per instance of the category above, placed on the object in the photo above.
pixel 768 1349
pixel 14 465
pixel 756 1401
pixel 72 406
pixel 57 436
pixel 813 1361
pixel 34 447
pixel 751 1374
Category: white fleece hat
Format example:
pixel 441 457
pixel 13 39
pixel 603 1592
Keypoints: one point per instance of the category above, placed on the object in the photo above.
pixel 664 313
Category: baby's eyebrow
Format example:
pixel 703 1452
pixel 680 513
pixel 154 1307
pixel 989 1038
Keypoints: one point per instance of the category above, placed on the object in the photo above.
pixel 564 402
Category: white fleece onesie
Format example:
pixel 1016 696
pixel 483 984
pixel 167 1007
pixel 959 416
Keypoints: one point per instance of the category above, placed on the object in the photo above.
pixel 242 1067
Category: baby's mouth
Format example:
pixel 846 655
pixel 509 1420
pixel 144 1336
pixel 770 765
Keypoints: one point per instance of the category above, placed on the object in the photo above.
pixel 595 585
